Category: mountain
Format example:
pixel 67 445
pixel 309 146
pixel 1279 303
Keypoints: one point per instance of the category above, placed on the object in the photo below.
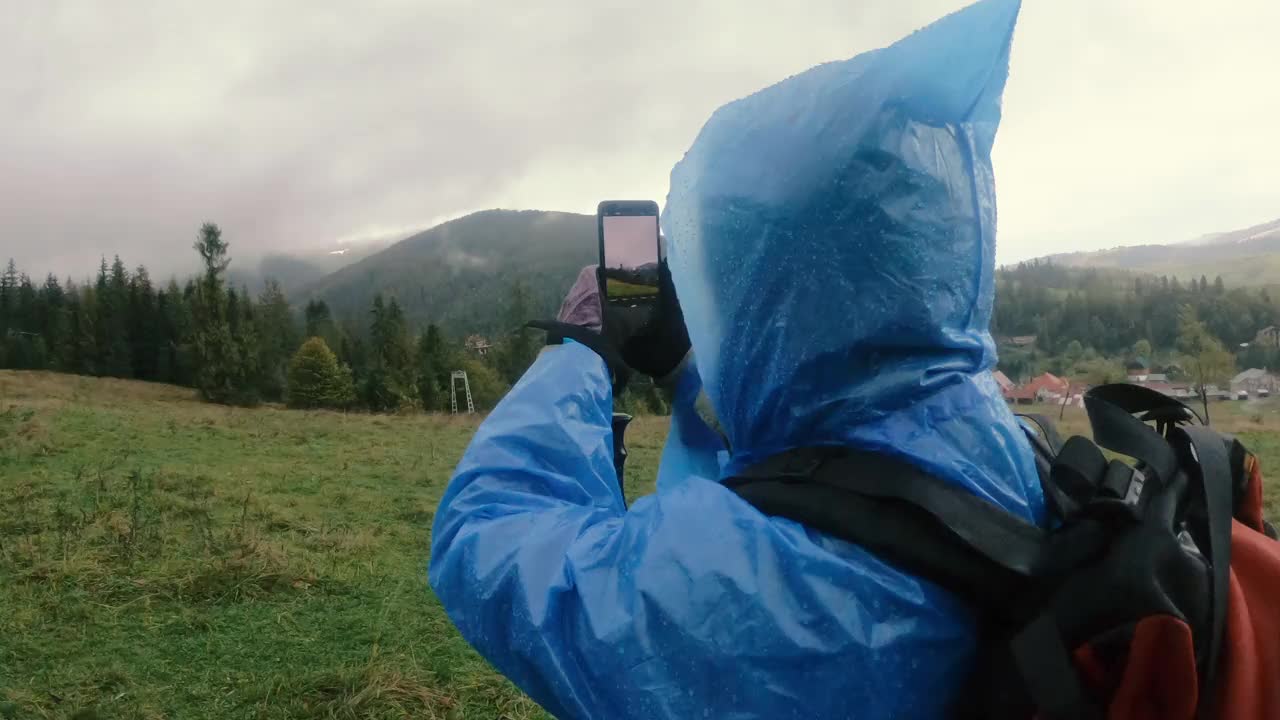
pixel 461 274
pixel 1247 257
pixel 1264 231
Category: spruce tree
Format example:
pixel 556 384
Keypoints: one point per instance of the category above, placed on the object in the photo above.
pixel 316 379
pixel 56 323
pixel 219 373
pixel 519 348
pixel 277 337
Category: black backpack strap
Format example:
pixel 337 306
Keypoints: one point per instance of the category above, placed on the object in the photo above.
pixel 897 511
pixel 1210 450
pixel 1046 449
pixel 1111 411
pixel 1152 405
pixel 942 532
pixel 1116 429
pixel 1046 667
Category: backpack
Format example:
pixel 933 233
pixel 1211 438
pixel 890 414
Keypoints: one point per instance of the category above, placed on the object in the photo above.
pixel 1127 604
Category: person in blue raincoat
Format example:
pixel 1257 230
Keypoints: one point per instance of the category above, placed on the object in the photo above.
pixel 831 241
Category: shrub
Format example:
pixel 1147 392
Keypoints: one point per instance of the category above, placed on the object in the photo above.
pixel 317 380
pixel 487 386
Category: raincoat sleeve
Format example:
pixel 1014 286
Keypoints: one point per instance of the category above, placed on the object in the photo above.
pixel 535 490
pixel 598 611
pixel 693 449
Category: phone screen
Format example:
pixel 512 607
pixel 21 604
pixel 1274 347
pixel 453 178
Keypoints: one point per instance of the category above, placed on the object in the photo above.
pixel 630 257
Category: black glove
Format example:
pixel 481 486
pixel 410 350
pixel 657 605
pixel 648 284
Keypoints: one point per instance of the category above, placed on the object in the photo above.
pixel 651 340
pixel 658 343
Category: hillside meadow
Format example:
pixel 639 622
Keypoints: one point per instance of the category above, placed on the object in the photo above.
pixel 165 558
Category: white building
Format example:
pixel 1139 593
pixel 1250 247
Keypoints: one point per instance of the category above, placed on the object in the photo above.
pixel 1252 381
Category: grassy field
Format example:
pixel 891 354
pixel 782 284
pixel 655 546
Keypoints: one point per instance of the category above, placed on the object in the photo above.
pixel 164 558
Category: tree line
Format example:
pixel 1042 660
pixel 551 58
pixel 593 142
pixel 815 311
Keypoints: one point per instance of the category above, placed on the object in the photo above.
pixel 1092 322
pixel 239 348
pixel 235 348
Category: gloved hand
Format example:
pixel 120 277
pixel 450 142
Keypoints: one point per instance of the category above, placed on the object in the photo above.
pixel 660 343
pixel 651 340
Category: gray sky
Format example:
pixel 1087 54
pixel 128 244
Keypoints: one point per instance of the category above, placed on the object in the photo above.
pixel 126 124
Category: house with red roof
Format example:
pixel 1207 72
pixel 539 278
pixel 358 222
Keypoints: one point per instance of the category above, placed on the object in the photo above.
pixel 1046 386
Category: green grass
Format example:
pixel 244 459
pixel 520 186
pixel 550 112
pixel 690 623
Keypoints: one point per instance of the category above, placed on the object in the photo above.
pixel 163 558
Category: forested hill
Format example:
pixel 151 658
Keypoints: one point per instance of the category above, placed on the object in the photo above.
pixel 1111 312
pixel 488 273
pixel 460 274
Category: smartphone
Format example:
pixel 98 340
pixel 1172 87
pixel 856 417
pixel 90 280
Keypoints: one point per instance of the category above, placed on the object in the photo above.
pixel 629 252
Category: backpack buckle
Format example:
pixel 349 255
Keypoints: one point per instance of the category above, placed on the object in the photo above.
pixel 1122 488
pixel 1137 482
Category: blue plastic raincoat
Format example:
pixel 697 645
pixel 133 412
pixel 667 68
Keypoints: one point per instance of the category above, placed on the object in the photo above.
pixel 832 243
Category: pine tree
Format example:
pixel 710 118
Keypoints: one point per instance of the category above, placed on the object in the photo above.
pixel 55 322
pixel 316 379
pixel 111 341
pixel 143 325
pixel 397 352
pixel 277 337
pixel 519 348
pixel 21 344
pixel 353 353
pixel 174 348
pixel 29 323
pixel 374 391
pixel 8 297
pixel 219 372
pixel 25 317
pixel 438 355
pixel 389 382
pixel 86 332
pixel 428 356
pixel 117 355
pixel 378 313
pixel 241 317
pixel 318 321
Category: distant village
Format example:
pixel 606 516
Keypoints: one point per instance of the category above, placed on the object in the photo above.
pixel 1254 383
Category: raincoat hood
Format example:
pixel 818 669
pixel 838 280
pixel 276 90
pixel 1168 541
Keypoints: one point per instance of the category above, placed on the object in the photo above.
pixel 832 240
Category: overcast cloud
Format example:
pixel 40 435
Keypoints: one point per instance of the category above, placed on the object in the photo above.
pixel 127 124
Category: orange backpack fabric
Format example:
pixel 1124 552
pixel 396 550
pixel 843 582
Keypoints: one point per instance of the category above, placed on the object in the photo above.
pixel 1159 680
pixel 1249 677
